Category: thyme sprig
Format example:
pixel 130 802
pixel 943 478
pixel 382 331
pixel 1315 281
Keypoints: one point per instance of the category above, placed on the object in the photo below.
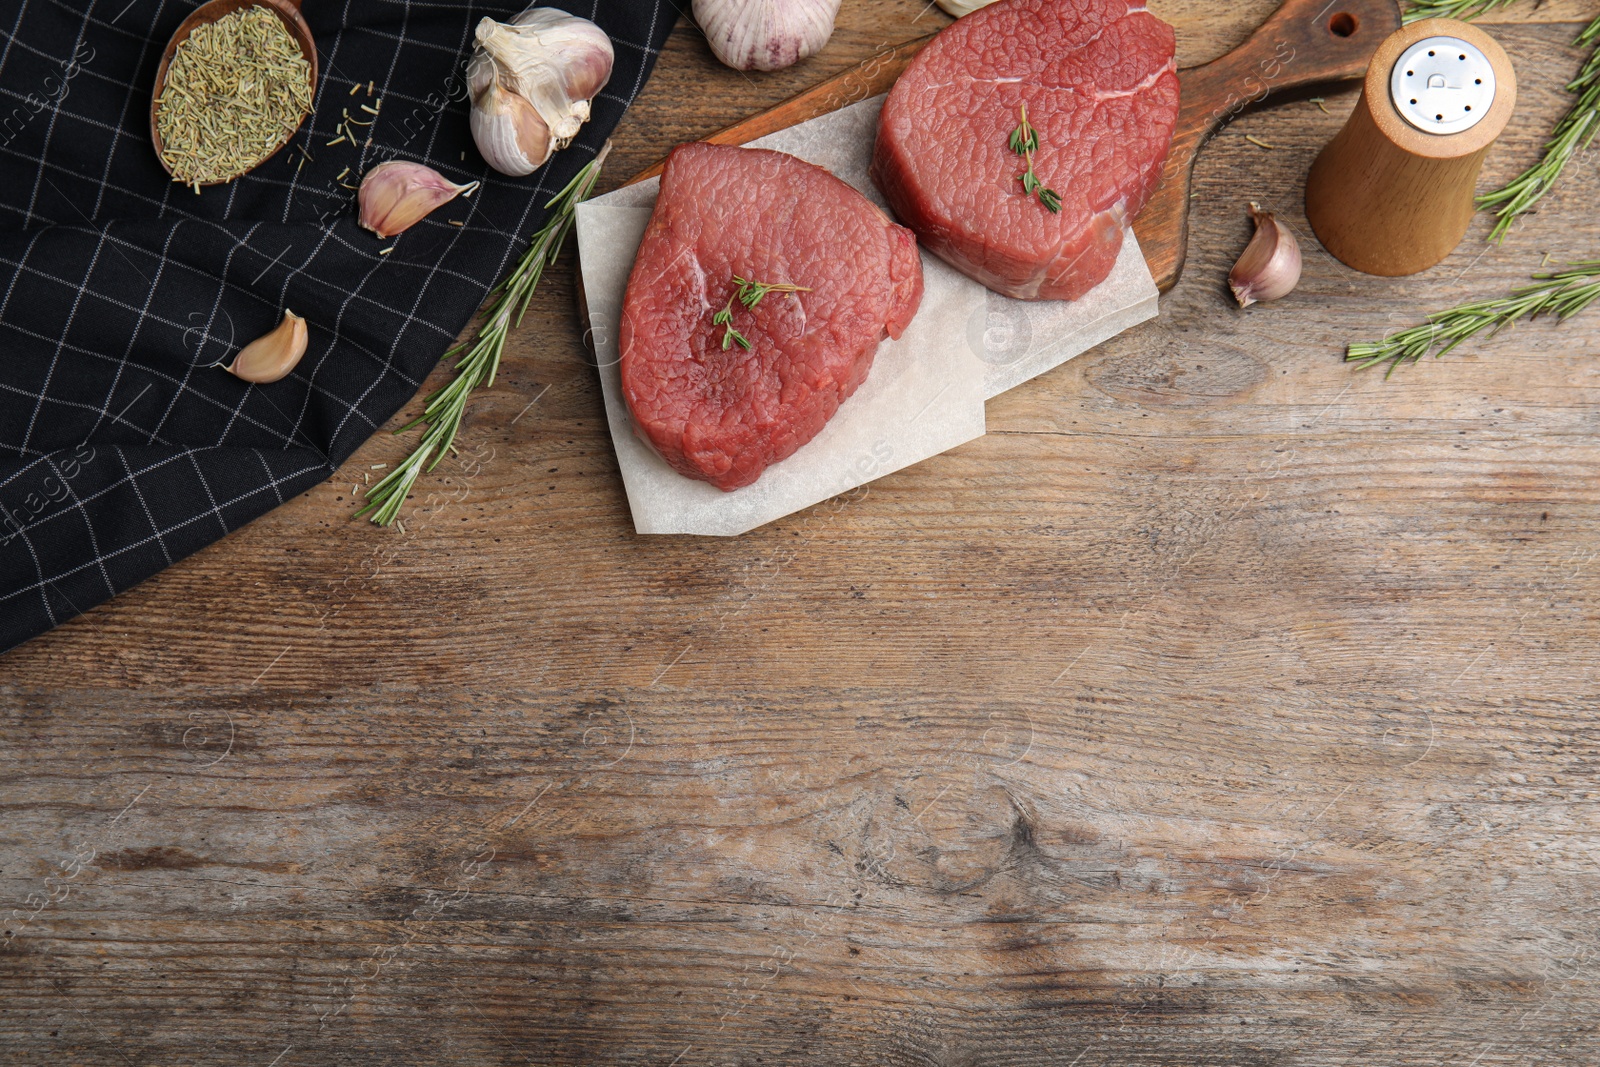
pixel 1025 142
pixel 1562 293
pixel 444 410
pixel 749 293
pixel 730 336
pixel 1574 133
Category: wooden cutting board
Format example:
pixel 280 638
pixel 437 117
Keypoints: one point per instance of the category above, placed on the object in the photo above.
pixel 1304 45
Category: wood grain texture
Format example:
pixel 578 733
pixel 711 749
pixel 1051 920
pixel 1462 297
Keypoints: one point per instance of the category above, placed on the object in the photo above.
pixel 1222 706
pixel 874 76
pixel 1303 46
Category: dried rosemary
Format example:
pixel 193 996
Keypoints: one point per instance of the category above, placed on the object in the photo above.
pixel 236 90
pixel 1562 293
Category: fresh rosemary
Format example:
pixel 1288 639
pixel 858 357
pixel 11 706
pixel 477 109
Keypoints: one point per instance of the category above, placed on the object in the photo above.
pixel 1025 142
pixel 1465 10
pixel 1562 293
pixel 749 293
pixel 443 410
pixel 1575 132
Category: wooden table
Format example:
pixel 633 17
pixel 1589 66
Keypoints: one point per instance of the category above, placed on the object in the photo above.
pixel 1223 706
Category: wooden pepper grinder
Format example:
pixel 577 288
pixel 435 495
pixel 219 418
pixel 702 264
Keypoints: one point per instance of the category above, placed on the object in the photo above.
pixel 1392 194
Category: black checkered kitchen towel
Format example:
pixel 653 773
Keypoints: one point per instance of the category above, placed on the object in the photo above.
pixel 122 449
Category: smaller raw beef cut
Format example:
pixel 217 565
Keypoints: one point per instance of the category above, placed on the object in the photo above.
pixel 714 409
pixel 1100 85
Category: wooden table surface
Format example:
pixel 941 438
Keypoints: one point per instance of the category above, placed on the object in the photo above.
pixel 1223 705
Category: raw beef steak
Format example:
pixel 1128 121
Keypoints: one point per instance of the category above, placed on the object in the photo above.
pixel 714 409
pixel 1101 89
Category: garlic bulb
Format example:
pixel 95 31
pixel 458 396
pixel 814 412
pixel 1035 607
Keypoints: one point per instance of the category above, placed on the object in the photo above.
pixel 273 356
pixel 397 195
pixel 766 34
pixel 531 80
pixel 963 7
pixel 1270 266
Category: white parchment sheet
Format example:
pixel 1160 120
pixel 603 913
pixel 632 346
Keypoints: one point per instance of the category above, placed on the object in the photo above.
pixel 926 392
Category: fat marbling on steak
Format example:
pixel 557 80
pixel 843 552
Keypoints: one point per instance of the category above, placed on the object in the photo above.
pixel 715 410
pixel 1099 82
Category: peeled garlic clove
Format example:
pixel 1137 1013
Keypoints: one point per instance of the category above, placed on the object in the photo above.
pixel 551 64
pixel 766 34
pixel 397 195
pixel 273 356
pixel 509 132
pixel 963 7
pixel 1270 266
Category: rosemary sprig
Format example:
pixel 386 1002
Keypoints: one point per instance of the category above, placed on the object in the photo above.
pixel 1574 133
pixel 1465 10
pixel 444 409
pixel 749 293
pixel 1025 142
pixel 1562 293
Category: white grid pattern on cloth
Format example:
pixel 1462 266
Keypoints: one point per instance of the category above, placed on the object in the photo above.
pixel 20 266
pixel 158 534
pixel 118 304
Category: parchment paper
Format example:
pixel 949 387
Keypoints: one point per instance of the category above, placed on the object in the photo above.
pixel 925 393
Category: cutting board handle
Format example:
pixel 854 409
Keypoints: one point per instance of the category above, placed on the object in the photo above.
pixel 1305 44
pixel 872 77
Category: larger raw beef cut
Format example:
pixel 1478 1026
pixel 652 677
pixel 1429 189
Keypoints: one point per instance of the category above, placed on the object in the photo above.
pixel 1099 82
pixel 721 411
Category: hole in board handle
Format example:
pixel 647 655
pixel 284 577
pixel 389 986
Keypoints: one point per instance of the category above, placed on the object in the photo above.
pixel 1344 24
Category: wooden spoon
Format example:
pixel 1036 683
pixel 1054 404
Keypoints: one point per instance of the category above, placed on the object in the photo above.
pixel 293 21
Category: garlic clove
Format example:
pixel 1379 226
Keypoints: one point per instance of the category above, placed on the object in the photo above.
pixel 546 61
pixel 963 7
pixel 513 138
pixel 1270 266
pixel 766 34
pixel 272 356
pixel 397 195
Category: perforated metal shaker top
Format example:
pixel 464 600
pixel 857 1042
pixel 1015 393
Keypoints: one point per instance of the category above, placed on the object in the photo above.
pixel 1442 85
